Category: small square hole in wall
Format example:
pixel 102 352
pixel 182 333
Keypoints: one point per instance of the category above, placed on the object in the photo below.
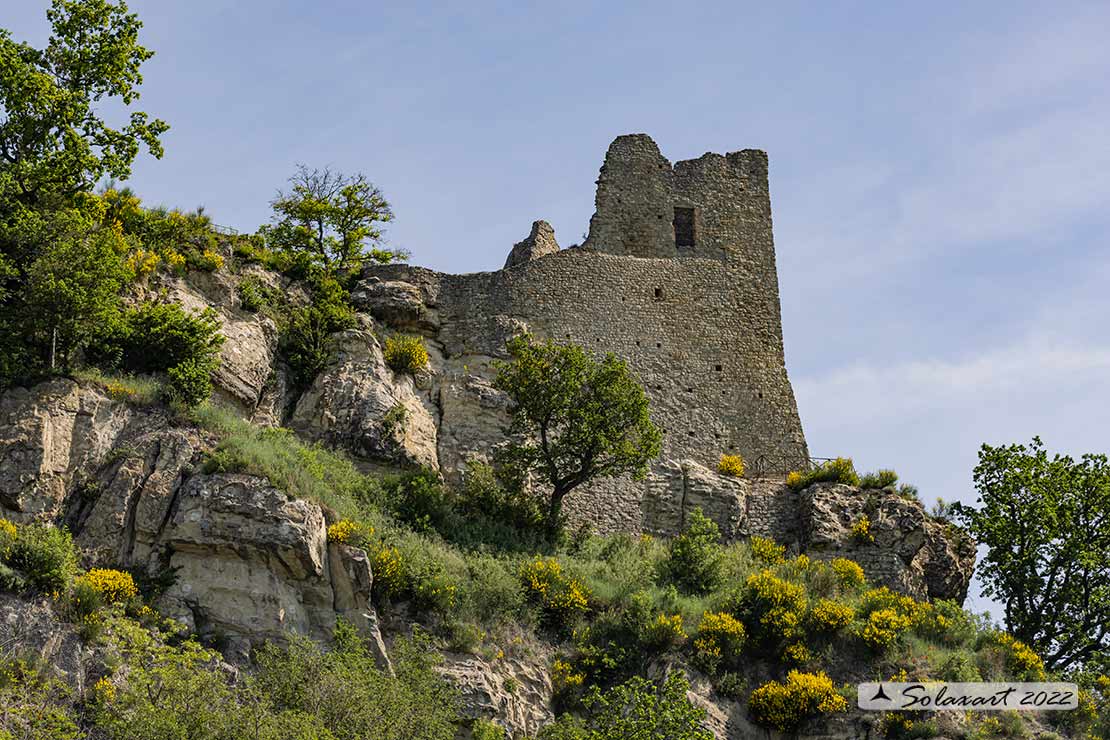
pixel 659 345
pixel 658 294
pixel 718 368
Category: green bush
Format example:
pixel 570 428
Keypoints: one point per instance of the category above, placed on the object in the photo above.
pixel 880 479
pixel 840 470
pixel 164 337
pixel 694 563
pixel 153 337
pixel 255 295
pixel 405 354
pixel 418 499
pixel 190 383
pixel 483 729
pixel 44 555
pixel 635 709
pixel 35 705
pixel 307 332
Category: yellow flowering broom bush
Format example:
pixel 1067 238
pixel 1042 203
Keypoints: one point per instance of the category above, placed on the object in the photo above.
pixel 561 597
pixel 731 465
pixel 768 551
pixel 720 639
pixel 114 586
pixel 784 706
pixel 406 354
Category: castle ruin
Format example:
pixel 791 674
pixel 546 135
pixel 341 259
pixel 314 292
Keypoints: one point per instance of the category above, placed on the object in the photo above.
pixel 677 276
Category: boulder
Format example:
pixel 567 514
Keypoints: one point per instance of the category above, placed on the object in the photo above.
pixel 49 434
pixel 364 407
pixel 253 563
pixel 513 690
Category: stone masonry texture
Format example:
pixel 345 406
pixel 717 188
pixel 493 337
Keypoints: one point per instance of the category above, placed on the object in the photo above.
pixel 699 324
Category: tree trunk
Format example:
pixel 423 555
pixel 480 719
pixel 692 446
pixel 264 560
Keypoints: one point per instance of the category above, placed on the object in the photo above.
pixel 554 512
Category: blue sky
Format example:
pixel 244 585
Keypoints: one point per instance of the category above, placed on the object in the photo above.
pixel 940 174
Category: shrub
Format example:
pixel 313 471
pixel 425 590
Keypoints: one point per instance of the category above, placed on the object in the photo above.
pixel 348 532
pixel 784 706
pixel 561 598
pixel 1020 659
pixel 731 465
pixel 640 709
pixel 44 555
pixel 840 470
pixel 694 563
pixel 434 591
pixel 768 551
pixel 498 497
pixel 849 573
pixel 155 337
pixel 34 705
pixel 190 383
pixel 308 332
pixel 564 678
pixel 720 639
pixel 483 729
pixel 861 530
pixel 255 295
pixel 663 633
pixel 83 602
pixel 418 499
pixel 879 479
pixel 406 354
pixel 389 574
pixel 114 586
pixel 883 628
pixel 7 538
pixel 774 607
pixel 829 616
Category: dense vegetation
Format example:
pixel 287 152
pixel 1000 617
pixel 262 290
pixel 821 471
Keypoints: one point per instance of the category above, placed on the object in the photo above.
pixel 1053 578
pixel 481 568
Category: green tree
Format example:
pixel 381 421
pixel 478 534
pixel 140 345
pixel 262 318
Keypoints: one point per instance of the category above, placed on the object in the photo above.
pixel 73 271
pixel 635 710
pixel 694 562
pixel 575 418
pixel 332 217
pixel 1046 524
pixel 52 139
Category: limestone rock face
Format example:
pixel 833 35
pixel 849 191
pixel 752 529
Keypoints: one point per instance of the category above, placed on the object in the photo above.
pixel 252 563
pixel 362 406
pixel 247 356
pixel 899 556
pixel 30 629
pixel 514 691
pixel 911 552
pixel 539 243
pixel 397 303
pixel 121 514
pixel 48 435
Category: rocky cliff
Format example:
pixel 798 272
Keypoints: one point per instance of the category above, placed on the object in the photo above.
pixel 252 562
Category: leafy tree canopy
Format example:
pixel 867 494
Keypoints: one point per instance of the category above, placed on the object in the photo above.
pixel 1046 524
pixel 577 417
pixel 53 140
pixel 333 217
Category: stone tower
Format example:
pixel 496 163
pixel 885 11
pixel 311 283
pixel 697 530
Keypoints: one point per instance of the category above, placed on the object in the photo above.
pixel 677 276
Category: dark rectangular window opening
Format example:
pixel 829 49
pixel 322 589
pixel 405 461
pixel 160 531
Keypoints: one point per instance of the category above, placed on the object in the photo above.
pixel 683 227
